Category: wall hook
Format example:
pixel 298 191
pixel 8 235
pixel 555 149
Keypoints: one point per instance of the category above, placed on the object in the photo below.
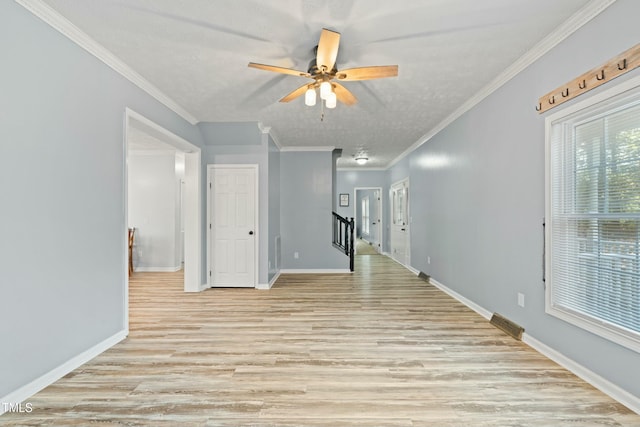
pixel 565 93
pixel 624 65
pixel 600 75
pixel 539 106
pixel 582 85
pixel 552 100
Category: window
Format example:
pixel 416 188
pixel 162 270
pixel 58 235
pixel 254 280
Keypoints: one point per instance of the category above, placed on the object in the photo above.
pixel 593 214
pixel 365 215
pixel 399 203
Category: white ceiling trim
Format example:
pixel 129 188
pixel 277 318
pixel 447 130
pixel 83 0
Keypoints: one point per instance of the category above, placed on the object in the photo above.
pixel 267 130
pixel 361 169
pixel 320 148
pixel 152 153
pixel 580 18
pixel 76 35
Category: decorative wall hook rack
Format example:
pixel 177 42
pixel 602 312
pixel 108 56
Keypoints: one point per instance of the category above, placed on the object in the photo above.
pixel 616 67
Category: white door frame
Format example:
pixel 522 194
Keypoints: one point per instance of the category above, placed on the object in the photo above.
pixel 407 257
pixel 210 168
pixel 192 202
pixel 378 214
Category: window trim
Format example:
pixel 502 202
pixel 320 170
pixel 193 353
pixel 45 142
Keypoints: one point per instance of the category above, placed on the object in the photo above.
pixel 614 333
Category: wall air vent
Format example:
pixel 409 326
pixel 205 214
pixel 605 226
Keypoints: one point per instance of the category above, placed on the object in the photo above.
pixel 507 326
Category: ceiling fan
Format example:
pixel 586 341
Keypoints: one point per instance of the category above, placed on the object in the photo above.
pixel 325 75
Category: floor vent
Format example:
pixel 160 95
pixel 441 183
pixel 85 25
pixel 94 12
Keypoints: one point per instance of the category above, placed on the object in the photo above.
pixel 507 326
pixel 424 276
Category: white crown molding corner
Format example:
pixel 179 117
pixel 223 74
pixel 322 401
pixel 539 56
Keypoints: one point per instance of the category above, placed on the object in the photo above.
pixel 361 169
pixel 79 37
pixel 571 25
pixel 264 129
pixel 28 390
pixel 268 130
pixel 275 138
pixel 615 392
pixel 302 149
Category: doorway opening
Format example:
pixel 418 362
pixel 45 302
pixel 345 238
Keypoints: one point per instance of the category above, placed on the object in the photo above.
pixel 162 200
pixel 368 218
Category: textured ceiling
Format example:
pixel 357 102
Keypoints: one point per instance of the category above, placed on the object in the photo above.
pixel 196 52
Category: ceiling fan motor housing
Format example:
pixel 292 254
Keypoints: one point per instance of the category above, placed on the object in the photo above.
pixel 315 71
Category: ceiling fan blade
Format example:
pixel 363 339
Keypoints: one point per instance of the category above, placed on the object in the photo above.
pixel 296 93
pixel 327 49
pixel 343 94
pixel 279 69
pixel 367 73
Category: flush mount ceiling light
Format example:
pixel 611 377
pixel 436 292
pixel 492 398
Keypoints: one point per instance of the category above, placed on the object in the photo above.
pixel 361 160
pixel 325 75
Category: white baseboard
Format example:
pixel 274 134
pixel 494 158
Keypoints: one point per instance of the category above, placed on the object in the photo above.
pixel 200 289
pixel 28 390
pixel 472 305
pixel 157 269
pixel 267 286
pixel 315 271
pixel 413 270
pixel 627 399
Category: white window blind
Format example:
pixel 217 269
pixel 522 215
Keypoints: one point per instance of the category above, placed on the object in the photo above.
pixel 593 216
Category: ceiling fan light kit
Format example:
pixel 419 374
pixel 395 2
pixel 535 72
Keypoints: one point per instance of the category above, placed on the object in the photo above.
pixel 323 72
pixel 310 97
pixel 331 100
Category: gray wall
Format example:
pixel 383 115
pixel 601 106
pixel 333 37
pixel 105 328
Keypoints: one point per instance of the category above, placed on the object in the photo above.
pixel 274 207
pixel 153 207
pixel 477 197
pixel 305 212
pixel 62 224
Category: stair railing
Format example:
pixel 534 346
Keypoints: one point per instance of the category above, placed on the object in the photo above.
pixel 343 231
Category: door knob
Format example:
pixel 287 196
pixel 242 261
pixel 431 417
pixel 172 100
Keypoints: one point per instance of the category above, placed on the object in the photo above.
pixel 251 233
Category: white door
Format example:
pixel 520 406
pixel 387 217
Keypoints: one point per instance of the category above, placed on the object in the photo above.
pixel 232 225
pixel 399 202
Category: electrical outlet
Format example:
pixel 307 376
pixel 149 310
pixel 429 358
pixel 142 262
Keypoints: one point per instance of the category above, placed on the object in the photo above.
pixel 520 299
pixel 296 255
pixel 428 260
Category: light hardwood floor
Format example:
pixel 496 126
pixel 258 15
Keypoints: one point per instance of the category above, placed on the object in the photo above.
pixel 376 348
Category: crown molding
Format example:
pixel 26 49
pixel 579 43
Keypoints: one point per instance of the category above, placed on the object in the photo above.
pixel 571 25
pixel 360 169
pixel 79 37
pixel 317 148
pixel 268 130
